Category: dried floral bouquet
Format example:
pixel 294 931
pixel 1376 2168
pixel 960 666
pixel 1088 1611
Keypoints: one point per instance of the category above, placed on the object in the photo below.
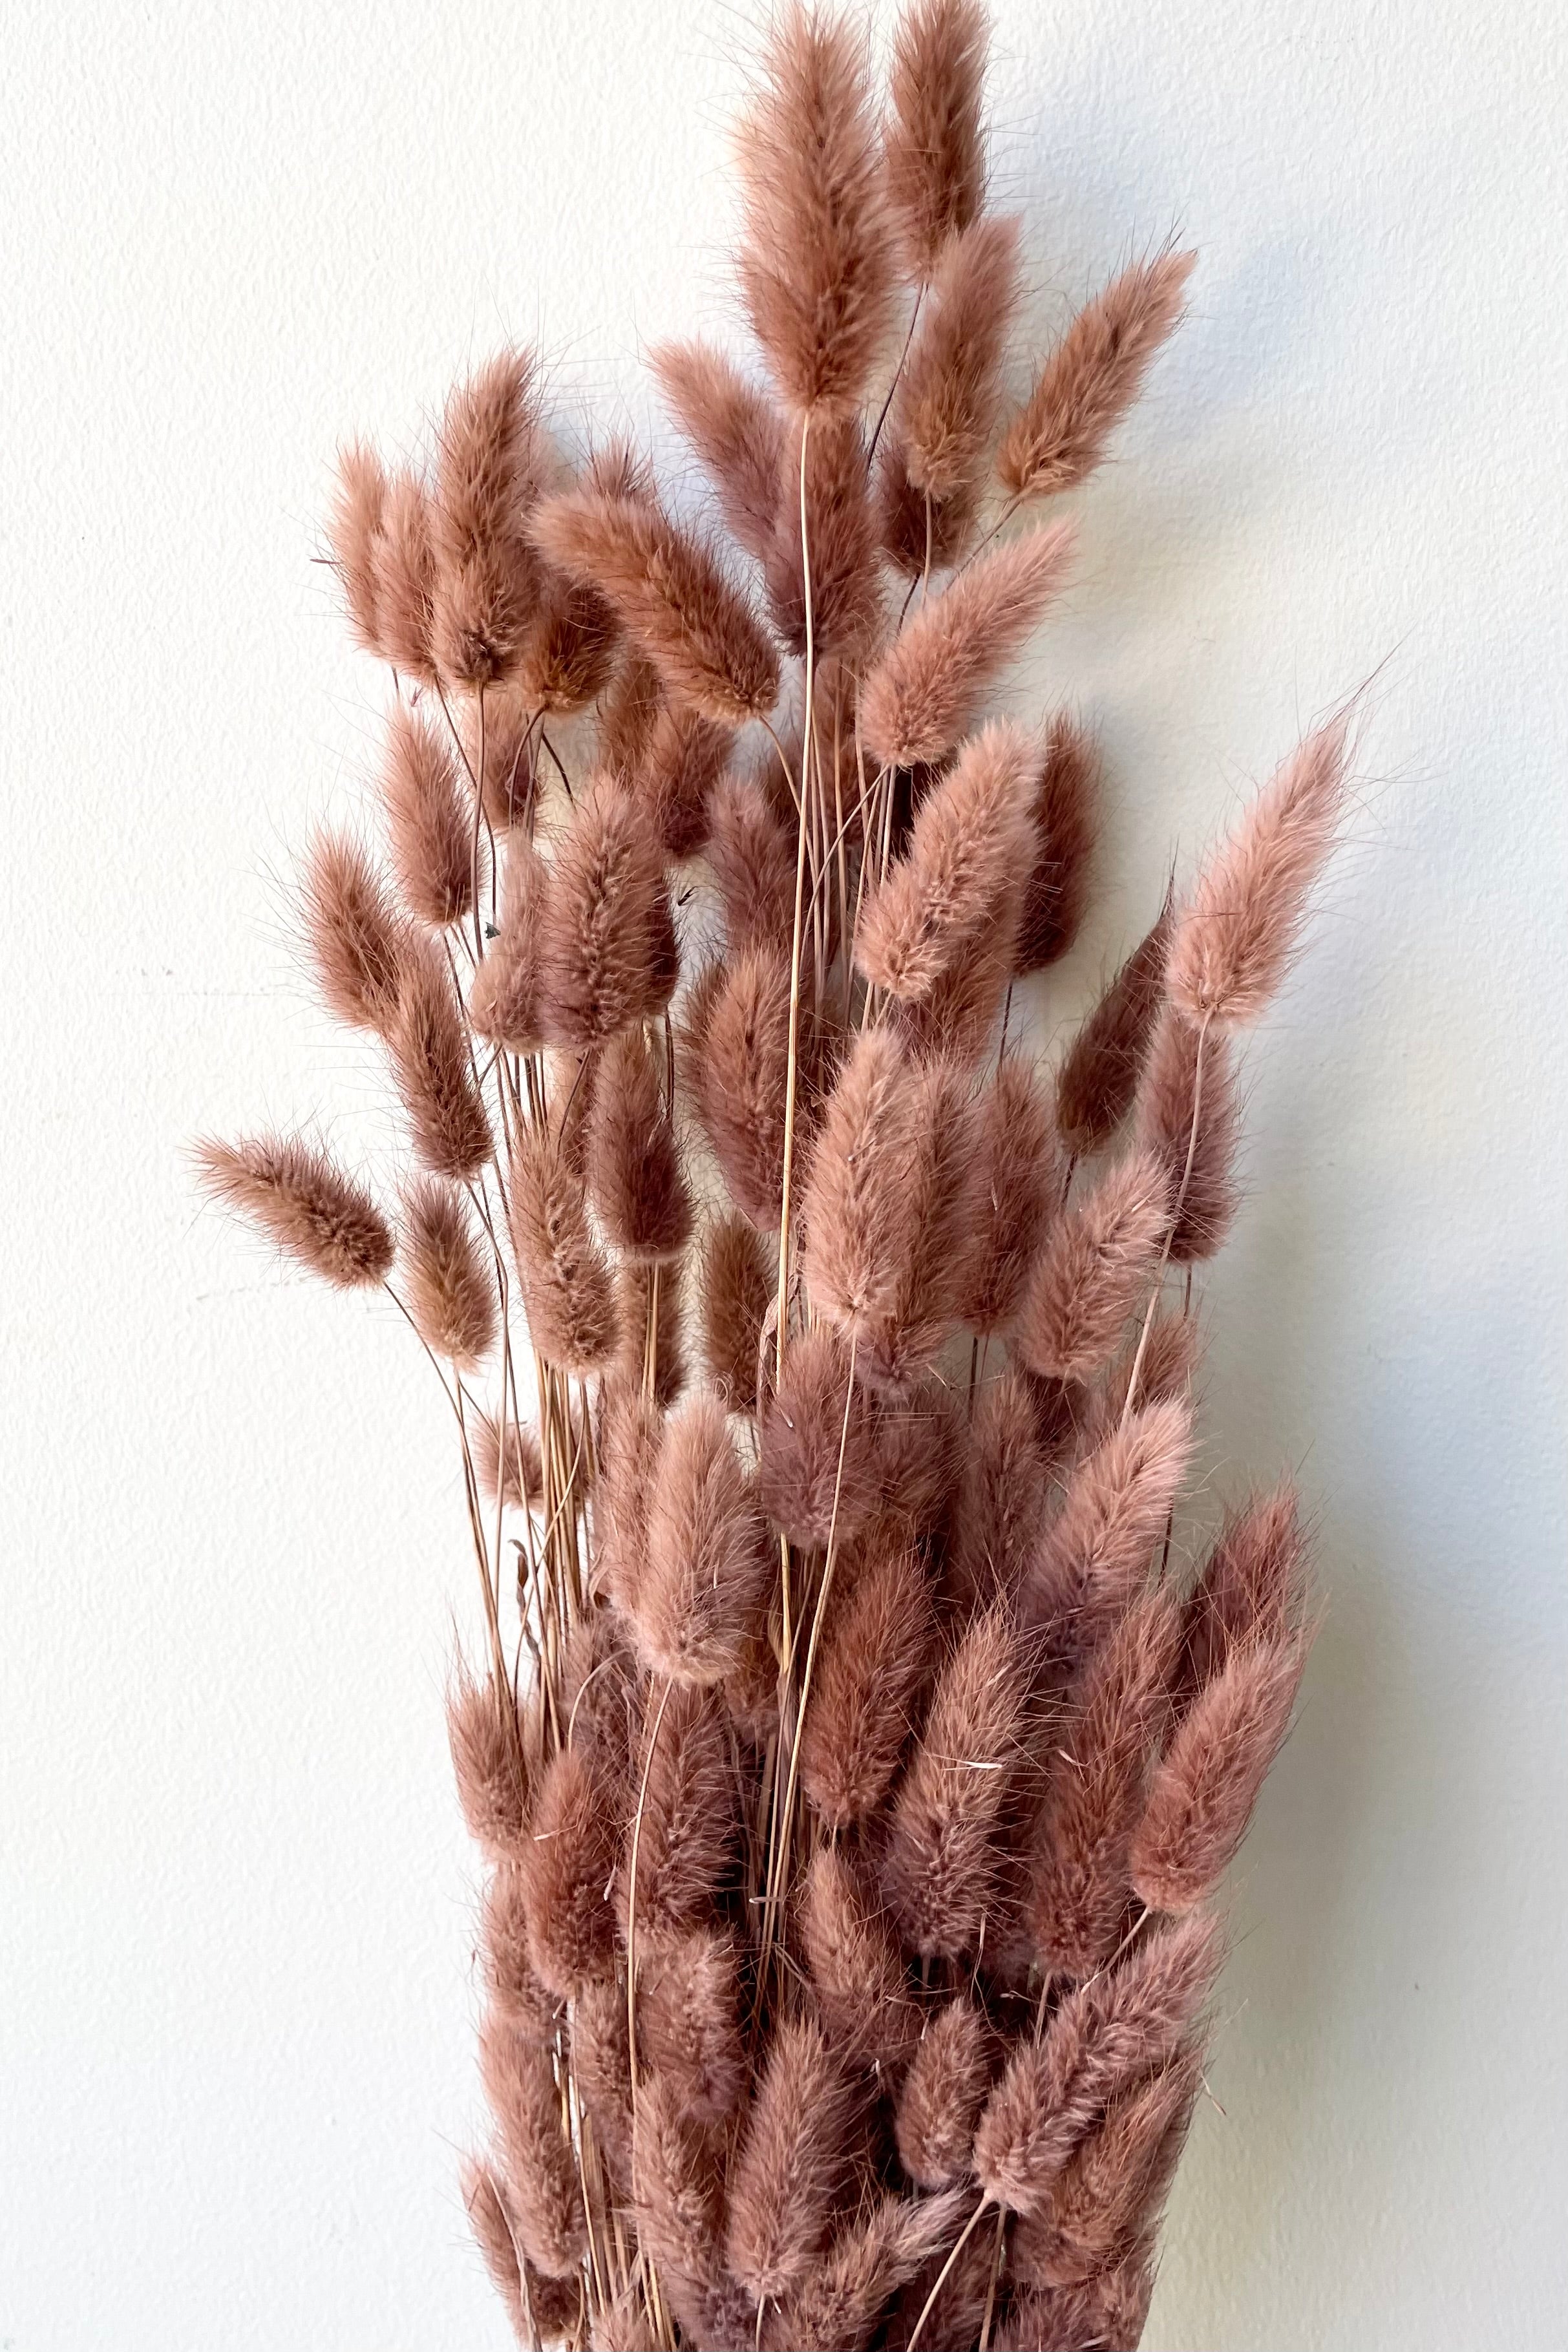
pixel 853 1759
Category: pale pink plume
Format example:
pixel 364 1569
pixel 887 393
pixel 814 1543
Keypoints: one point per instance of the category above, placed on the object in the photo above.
pixel 735 431
pixel 607 955
pixel 1235 936
pixel 543 2194
pixel 487 476
pixel 709 1558
pixel 489 1765
pixel 835 2308
pixel 940 2102
pixel 430 827
pixel 1100 1073
pixel 1092 379
pixel 922 693
pixel 788 2167
pixel 360 943
pixel 432 1062
pixel 1095 1553
pixel 1017 1183
pixel 404 558
pixel 562 1269
pixel 1066 826
pixel 688 2029
pixel 359 501
pixel 301 1199
pixel 448 1282
pixel 1095 1268
pixel 846 607
pixel 1252 1584
pixel 851 1950
pixel 1202 1796
pixel 874 1660
pixel 935 140
pixel 818 1468
pixel 1001 1502
pixel 566 1861
pixel 678 2204
pixel 735 1286
pixel 1187 1117
pixel 636 1181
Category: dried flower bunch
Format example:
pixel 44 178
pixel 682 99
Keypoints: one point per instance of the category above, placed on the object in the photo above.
pixel 853 1758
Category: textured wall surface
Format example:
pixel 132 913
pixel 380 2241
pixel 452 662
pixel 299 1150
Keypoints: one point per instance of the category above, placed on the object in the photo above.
pixel 236 1994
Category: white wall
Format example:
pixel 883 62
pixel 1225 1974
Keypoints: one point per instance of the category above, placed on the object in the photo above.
pixel 235 1991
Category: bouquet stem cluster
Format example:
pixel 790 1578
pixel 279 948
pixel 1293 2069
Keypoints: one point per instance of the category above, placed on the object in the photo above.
pixel 853 1754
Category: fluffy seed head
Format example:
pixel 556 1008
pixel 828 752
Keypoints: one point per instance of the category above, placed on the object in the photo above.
pixel 544 2195
pixel 429 829
pixel 677 2200
pixel 840 537
pixel 1017 1177
pixel 1099 1074
pixel 353 531
pixel 629 1440
pixel 1236 937
pixel 857 1969
pixel 406 580
pixel 1096 1550
pixel 943 2092
pixel 935 140
pixel 922 693
pixel 1105 2200
pixel 302 1201
pixel 708 1556
pixel 1189 1121
pixel 815 262
pixel 751 857
pixel 360 945
pixel 433 1064
pixel 489 1765
pixel 562 1272
pixel 736 432
pixel 672 596
pixel 520 1483
pixel 837 2306
pixel 635 1177
pixel 675 779
pixel 790 2161
pixel 1094 1269
pixel 1202 1796
pixel 688 2023
pixel 1092 379
pixel 687 1821
pixel 602 2071
pixel 1001 1502
pixel 487 475
pixel 1066 823
pixel 534 2304
pixel 735 1287
pixel 739 1078
pixel 448 1287
pixel 567 1862
pixel 570 649
pixel 503 995
pixel 1251 1585
pixel 971 842
pixel 608 954
pixel 945 406
pixel 873 1663
pixel 817 1467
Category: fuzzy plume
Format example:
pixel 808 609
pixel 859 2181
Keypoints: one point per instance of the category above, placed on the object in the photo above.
pixel 940 2102
pixel 489 1764
pixel 688 2032
pixel 840 539
pixel 1095 1794
pixel 837 2306
pixel 536 2305
pixel 487 476
pixel 406 580
pixel 923 692
pixel 543 2195
pixel 1251 1586
pixel 678 2199
pixel 608 954
pixel 875 1658
pixel 945 406
pixel 449 1289
pixel 1094 1554
pixel 570 650
pixel 790 2161
pixel 817 1467
pixel 934 141
pixel 1018 1178
pixel 855 1967
pixel 736 432
pixel 1188 1119
pixel 939 1871
pixel 1094 1269
pixel 816 259
pixel 503 995
pixel 433 1063
pixel 686 1835
pixel 673 598
pixel 649 1291
pixel 1235 936
pixel 562 1272
pixel 708 1554
pixel 360 945
pixel 971 841
pixel 1092 379
pixel 634 1178
pixel 602 2071
pixel 1066 823
pixel 1001 1495
pixel 1099 1074
pixel 739 1075
pixel 521 1483
pixel 359 501
pixel 430 831
pixel 1104 2203
pixel 304 1201
pixel 735 1288
pixel 675 779
pixel 1106 2313
pixel 1202 1797
pixel 1122 2026
pixel 567 1861
pixel 508 777
pixel 751 858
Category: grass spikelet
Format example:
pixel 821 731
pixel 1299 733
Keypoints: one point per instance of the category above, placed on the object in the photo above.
pixel 630 1435
pixel 521 1485
pixel 1251 1586
pixel 740 1079
pixel 1101 2204
pixel 1233 941
pixel 686 1838
pixel 923 692
pixel 1202 1796
pixel 790 2162
pixel 935 140
pixel 673 597
pixel 751 858
pixel 875 1659
pixel 945 409
pixel 359 501
pixel 562 1272
pixel 941 2096
pixel 1095 1792
pixel 360 945
pixel 841 538
pixel 630 706
pixel 428 1046
pixel 837 2308
pixel 1092 379
pixel 736 432
pixel 708 1554
pixel 429 830
pixel 533 2305
pixel 735 1287
pixel 1189 1119
pixel 817 1465
pixel 1066 824
pixel 688 2033
pixel 567 1861
pixel 544 2195
pixel 1108 2312
pixel 971 841
pixel 1094 1269
pixel 569 651
pixel 448 1287
pixel 635 1280
pixel 677 2200
pixel 940 1870
pixel 1095 1552
pixel 815 260
pixel 406 580
pixel 635 1177
pixel 1099 1074
pixel 857 1969
pixel 601 2068
pixel 503 995
pixel 487 574
pixel 530 2009
pixel 1017 1180
pixel 1001 1497
pixel 489 1766
pixel 509 779
pixel 301 1199
pixel 607 954
pixel 675 779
